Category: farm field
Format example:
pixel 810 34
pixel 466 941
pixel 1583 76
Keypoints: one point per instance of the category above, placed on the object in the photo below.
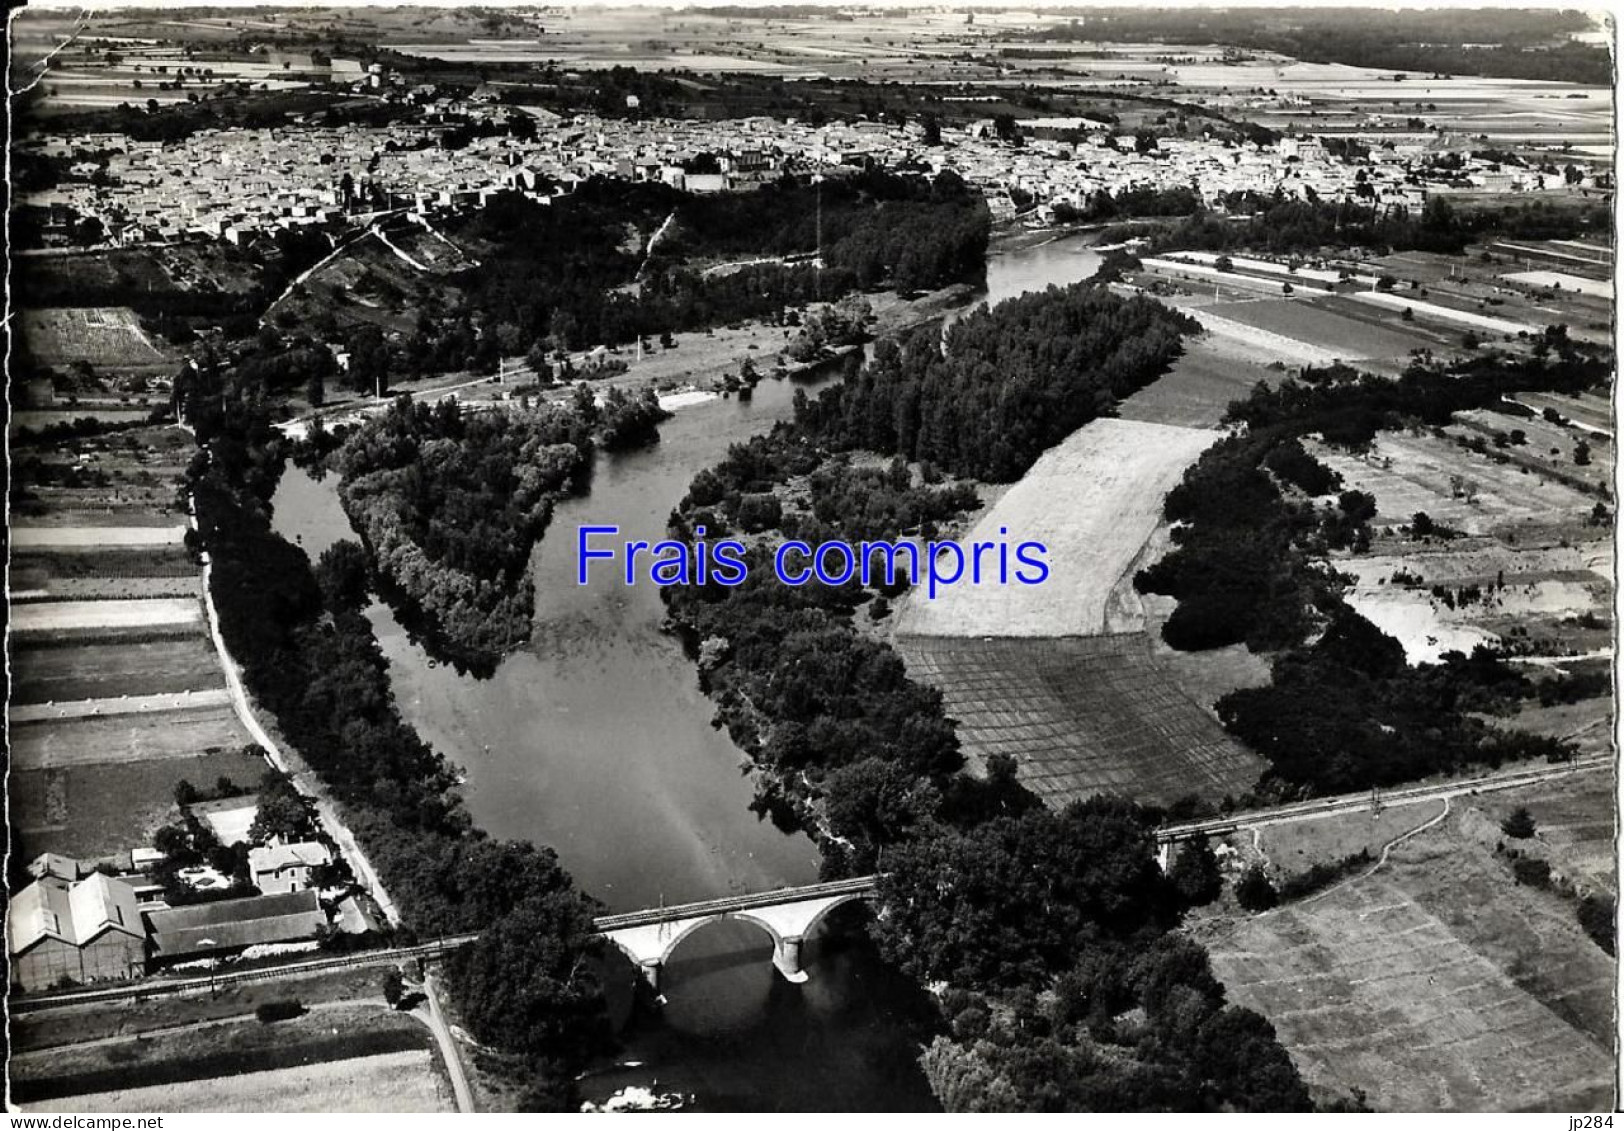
pixel 1588 724
pixel 1093 500
pixel 355 1057
pixel 122 705
pixel 1587 410
pixel 124 738
pixel 1400 984
pixel 108 589
pixel 1561 280
pixel 234 1001
pixel 1546 448
pixel 37 569
pixel 1574 826
pixel 37 418
pixel 1408 473
pixel 48 537
pixel 89 524
pixel 66 616
pixel 1082 716
pixel 102 810
pixel 1332 324
pixel 396 1082
pixel 99 671
pixel 107 337
pixel 1199 387
pixel 143 491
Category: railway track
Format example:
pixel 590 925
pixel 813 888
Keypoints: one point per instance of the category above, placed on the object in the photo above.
pixel 1412 795
pixel 162 987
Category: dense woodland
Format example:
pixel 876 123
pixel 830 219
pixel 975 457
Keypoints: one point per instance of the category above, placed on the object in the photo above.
pixel 1010 382
pixel 1067 989
pixel 1256 518
pixel 1049 930
pixel 309 658
pixel 564 276
pixel 450 504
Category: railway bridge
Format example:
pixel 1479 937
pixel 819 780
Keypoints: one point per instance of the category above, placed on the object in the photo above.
pixel 788 915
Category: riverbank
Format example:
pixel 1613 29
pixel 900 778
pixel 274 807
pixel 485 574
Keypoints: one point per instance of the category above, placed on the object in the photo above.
pixel 286 759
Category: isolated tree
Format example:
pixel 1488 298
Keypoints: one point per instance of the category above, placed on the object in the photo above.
pixel 394 987
pixel 1195 875
pixel 283 813
pixel 1598 915
pixel 1254 891
pixel 1519 824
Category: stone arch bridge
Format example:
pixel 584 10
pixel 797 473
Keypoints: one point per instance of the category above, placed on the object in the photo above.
pixel 788 915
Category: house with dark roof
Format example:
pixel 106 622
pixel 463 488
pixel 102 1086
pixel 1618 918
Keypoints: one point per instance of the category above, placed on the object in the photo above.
pixel 83 931
pixel 204 929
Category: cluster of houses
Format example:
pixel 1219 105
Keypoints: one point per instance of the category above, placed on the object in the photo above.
pixel 234 184
pixel 79 922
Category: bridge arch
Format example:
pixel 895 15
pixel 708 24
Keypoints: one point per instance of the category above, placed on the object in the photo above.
pixel 650 941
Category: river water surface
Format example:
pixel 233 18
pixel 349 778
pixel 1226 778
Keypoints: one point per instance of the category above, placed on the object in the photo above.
pixel 596 740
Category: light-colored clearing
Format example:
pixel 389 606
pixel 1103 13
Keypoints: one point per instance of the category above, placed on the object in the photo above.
pixel 1093 500
pixel 396 1081
pixel 1411 617
pixel 60 616
pixel 1601 288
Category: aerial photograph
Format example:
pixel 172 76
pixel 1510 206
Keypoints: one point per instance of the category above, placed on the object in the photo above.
pixel 810 557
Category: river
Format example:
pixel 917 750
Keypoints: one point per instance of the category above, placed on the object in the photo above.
pixel 596 740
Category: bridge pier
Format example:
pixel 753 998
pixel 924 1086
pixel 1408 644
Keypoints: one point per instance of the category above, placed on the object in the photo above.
pixel 650 972
pixel 1164 855
pixel 787 957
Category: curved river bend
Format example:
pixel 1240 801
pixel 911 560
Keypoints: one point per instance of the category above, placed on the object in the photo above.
pixel 596 740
